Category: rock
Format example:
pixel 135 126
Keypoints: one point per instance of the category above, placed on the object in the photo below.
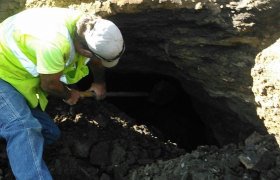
pixel 105 177
pixel 131 159
pixel 253 139
pixel 272 174
pixel 258 160
pixel 266 89
pixel 118 154
pixel 257 154
pixel 100 154
pixel 247 161
pixel 119 171
pixel 81 148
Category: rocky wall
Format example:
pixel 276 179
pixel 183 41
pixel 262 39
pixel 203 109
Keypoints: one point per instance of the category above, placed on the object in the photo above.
pixel 10 7
pixel 266 87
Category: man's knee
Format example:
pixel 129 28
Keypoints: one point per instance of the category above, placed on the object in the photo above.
pixel 51 135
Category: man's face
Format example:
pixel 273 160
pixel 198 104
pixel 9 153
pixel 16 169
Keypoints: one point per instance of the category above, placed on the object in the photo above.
pixel 81 47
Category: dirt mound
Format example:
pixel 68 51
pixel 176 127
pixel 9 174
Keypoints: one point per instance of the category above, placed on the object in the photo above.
pixel 100 142
pixel 257 159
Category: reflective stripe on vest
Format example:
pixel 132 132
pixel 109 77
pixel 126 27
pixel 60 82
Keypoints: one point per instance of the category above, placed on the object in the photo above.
pixel 23 59
pixel 71 56
pixel 25 62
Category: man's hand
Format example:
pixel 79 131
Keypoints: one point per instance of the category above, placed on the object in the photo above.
pixel 99 90
pixel 74 97
pixel 51 84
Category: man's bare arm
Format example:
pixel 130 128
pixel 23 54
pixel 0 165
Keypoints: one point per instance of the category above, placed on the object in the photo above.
pixel 99 84
pixel 98 71
pixel 51 84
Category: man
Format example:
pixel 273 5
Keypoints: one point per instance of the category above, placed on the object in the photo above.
pixel 41 51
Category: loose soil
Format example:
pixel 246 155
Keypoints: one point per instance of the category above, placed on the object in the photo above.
pixel 99 142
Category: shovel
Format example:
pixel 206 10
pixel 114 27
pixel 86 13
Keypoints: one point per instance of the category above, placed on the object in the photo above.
pixel 91 94
pixel 85 94
pixel 162 93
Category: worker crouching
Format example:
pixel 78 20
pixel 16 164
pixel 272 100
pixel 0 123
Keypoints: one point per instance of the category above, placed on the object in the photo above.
pixel 42 50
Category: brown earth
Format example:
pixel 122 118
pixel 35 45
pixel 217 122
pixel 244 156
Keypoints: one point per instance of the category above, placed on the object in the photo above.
pixel 101 142
pixel 98 141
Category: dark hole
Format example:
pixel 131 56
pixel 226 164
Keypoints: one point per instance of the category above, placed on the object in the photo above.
pixel 166 109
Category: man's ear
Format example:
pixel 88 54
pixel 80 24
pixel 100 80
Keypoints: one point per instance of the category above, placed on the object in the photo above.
pixel 79 47
pixel 86 53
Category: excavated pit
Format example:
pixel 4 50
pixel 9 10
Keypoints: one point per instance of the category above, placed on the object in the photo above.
pixel 200 42
pixel 167 109
pixel 159 102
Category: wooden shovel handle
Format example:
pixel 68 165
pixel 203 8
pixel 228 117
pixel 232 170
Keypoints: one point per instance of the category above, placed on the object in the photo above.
pixel 84 94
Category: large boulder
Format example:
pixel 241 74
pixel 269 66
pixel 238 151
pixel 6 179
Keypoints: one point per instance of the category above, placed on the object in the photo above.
pixel 266 87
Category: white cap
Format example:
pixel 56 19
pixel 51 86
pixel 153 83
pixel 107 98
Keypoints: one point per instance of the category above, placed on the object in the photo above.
pixel 106 42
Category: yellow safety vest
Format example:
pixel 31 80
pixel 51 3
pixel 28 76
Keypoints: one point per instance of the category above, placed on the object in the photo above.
pixel 22 33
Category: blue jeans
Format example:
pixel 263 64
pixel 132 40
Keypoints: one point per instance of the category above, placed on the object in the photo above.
pixel 25 131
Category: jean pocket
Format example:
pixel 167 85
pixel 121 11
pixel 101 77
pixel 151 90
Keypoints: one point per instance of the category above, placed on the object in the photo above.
pixel 8 113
